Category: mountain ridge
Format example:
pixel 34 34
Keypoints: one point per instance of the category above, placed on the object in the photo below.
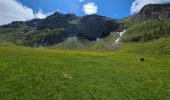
pixel 59 27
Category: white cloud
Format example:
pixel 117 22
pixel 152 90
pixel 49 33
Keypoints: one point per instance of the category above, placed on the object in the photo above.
pixel 40 15
pixel 137 5
pixel 90 8
pixel 12 10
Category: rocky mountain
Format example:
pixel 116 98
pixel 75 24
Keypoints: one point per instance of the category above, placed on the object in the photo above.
pixel 59 27
pixel 152 11
pixel 93 27
pixel 48 31
pixel 155 11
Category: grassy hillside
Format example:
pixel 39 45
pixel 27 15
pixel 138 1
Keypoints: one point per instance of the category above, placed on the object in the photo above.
pixel 75 43
pixel 60 38
pixel 37 74
pixel 147 30
pixel 45 37
pixel 12 35
pixel 21 36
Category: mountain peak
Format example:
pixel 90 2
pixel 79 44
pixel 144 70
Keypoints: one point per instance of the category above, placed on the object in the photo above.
pixel 155 11
pixel 58 13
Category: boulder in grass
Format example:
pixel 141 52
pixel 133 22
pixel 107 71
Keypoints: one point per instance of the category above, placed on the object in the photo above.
pixel 141 59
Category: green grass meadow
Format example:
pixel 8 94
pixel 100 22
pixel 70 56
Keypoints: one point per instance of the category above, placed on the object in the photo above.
pixel 37 74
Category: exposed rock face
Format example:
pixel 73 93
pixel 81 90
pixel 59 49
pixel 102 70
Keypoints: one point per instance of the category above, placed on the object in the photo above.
pixel 155 11
pixel 87 27
pixel 93 27
pixel 57 20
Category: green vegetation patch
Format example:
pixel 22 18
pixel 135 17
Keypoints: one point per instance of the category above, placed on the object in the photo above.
pixel 46 37
pixel 43 74
pixel 147 30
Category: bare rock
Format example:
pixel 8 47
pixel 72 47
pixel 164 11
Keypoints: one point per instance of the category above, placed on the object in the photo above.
pixel 141 59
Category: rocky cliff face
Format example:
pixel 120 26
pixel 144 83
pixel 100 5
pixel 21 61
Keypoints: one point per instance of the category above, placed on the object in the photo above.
pixel 155 11
pixel 47 31
pixel 87 27
pixel 57 20
pixel 93 27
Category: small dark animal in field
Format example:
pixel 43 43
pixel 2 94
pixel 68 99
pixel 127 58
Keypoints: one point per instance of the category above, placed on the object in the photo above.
pixel 141 59
pixel 93 62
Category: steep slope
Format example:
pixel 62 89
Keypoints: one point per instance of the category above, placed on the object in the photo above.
pixel 93 27
pixel 88 27
pixel 151 12
pixel 12 35
pixel 147 30
pixel 155 11
pixel 152 22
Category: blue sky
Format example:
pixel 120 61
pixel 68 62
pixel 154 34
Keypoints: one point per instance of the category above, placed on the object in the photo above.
pixel 110 8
